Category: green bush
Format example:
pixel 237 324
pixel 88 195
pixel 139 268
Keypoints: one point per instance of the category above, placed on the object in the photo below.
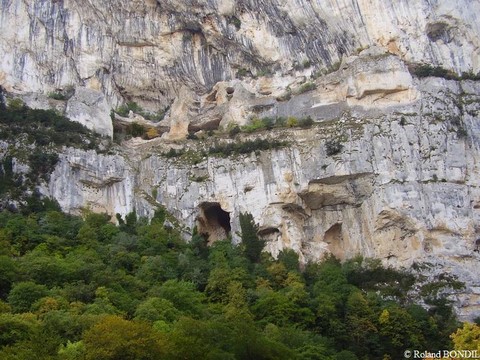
pixel 64 94
pixel 333 147
pixel 242 72
pixel 44 127
pixel 125 109
pixel 57 96
pixel 305 122
pixel 264 71
pixel 470 75
pixel 42 164
pixel 291 121
pixel 136 130
pixel 259 124
pixel 255 125
pixel 281 121
pixel 234 131
pixel 192 136
pixel 308 86
pixel 426 70
pixel 173 153
pixel 268 123
pixel 15 104
pixel 436 71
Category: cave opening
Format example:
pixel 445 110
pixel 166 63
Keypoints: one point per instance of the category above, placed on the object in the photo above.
pixel 213 223
pixel 333 237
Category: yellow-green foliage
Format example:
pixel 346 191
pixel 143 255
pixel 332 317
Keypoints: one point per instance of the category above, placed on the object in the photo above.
pixel 467 337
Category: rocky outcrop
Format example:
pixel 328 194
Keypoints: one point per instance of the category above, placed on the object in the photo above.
pixel 146 51
pixel 402 187
pixel 89 108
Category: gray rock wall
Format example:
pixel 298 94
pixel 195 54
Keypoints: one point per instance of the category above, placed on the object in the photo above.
pixel 146 50
pixel 403 188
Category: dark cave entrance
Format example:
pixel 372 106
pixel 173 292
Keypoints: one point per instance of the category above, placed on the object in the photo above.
pixel 213 223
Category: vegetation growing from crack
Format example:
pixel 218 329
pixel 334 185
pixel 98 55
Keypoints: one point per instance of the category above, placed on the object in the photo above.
pixel 308 86
pixel 225 149
pixel 333 147
pixel 425 70
pixel 62 94
pixel 269 123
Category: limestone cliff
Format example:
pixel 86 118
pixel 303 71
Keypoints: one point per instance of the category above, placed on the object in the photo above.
pixel 147 50
pixel 389 168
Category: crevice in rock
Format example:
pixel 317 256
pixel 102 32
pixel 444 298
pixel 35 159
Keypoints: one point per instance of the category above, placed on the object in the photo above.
pixel 271 235
pixel 213 124
pixel 267 231
pixel 213 222
pixel 212 97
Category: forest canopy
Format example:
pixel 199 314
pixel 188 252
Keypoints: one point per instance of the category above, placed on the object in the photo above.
pixel 83 288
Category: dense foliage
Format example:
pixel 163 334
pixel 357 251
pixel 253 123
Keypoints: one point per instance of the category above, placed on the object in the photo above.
pixel 31 140
pixel 83 288
pixel 43 127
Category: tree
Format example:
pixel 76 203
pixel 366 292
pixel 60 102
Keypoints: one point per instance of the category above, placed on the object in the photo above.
pixel 183 296
pixel 276 308
pixel 360 319
pixel 116 338
pixel 467 337
pixel 24 294
pixel 253 244
pixel 155 309
pixel 399 330
pixel 289 258
pixel 14 328
pixel 8 274
pixel 220 279
pixel 72 351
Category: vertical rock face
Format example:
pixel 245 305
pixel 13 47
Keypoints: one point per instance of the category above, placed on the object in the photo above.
pixel 146 50
pixel 402 184
pixel 389 169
